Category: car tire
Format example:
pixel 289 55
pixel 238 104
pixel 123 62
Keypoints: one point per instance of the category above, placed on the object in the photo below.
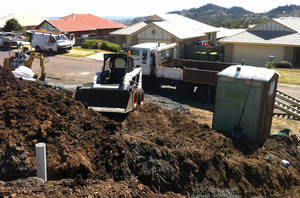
pixel 51 51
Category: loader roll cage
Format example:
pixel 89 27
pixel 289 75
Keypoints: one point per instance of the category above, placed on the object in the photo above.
pixel 115 67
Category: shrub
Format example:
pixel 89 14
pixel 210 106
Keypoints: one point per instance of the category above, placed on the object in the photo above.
pixel 90 43
pixel 106 45
pixel 279 64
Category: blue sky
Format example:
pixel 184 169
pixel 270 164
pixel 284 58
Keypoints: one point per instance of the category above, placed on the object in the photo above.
pixel 55 8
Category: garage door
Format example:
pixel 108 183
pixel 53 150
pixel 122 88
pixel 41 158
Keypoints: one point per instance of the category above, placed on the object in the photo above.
pixel 256 55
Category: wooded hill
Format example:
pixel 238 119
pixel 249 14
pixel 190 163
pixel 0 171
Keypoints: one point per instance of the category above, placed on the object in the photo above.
pixel 234 17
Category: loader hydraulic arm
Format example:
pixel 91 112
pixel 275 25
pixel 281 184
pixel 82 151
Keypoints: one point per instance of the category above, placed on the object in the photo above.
pixel 42 63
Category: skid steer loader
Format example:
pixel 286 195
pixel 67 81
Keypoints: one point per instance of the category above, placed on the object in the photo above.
pixel 116 89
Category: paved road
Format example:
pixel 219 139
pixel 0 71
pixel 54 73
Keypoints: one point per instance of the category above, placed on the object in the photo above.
pixel 70 69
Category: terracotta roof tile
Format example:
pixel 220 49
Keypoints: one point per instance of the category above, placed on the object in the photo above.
pixel 68 26
pixel 92 21
pixel 83 22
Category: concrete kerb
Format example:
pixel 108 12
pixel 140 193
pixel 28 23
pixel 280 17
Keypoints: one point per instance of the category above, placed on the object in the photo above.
pixel 98 56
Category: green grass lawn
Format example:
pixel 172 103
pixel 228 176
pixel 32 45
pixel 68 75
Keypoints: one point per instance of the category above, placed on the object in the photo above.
pixel 289 76
pixel 78 52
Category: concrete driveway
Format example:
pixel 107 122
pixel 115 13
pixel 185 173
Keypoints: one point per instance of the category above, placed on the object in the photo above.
pixel 97 57
pixel 292 90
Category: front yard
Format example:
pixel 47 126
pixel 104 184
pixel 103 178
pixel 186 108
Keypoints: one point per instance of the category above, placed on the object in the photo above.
pixel 289 76
pixel 78 52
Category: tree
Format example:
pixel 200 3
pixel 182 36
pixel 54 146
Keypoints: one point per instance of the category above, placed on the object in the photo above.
pixel 12 25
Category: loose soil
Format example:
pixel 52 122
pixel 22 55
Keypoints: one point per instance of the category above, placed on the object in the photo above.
pixel 150 152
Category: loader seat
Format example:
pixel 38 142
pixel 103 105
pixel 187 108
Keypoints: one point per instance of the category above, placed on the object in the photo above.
pixel 117 75
pixel 103 77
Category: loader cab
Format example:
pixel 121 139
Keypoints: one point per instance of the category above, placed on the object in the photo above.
pixel 115 67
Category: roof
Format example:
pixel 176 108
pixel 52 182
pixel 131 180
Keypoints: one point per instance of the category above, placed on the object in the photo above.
pixel 265 37
pixel 225 32
pixel 130 29
pixel 286 31
pixel 248 72
pixel 177 25
pixel 92 21
pixel 68 26
pixel 187 23
pixel 25 19
pixel 292 22
pixel 82 22
pixel 181 33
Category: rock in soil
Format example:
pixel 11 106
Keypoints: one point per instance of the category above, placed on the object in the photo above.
pixel 151 152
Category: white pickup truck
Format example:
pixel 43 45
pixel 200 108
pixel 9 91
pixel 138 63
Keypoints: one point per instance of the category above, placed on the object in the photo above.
pixel 161 66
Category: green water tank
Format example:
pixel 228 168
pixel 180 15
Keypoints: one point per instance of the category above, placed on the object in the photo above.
pixel 232 86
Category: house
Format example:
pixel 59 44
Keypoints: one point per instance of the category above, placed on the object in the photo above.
pixel 225 32
pixel 27 21
pixel 276 39
pixel 82 25
pixel 167 28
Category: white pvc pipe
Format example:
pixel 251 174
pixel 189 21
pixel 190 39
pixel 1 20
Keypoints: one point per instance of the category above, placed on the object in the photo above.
pixel 41 166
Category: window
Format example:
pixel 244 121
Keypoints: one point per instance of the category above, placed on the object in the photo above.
pixel 120 63
pixel 51 39
pixel 144 55
pixel 61 38
pixel 167 55
pixel 124 40
pixel 135 53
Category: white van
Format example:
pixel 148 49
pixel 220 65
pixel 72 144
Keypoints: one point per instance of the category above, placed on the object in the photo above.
pixel 51 42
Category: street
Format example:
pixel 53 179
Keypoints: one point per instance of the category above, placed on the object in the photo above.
pixel 65 68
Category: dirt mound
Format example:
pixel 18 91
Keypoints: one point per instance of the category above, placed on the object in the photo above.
pixel 151 150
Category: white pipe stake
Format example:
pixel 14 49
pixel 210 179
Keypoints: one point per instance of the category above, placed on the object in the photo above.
pixel 41 167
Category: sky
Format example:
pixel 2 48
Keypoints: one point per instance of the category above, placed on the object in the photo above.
pixel 59 8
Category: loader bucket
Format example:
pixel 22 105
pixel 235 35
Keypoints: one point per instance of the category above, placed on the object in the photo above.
pixel 106 100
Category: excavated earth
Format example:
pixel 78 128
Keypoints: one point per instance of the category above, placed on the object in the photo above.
pixel 151 152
